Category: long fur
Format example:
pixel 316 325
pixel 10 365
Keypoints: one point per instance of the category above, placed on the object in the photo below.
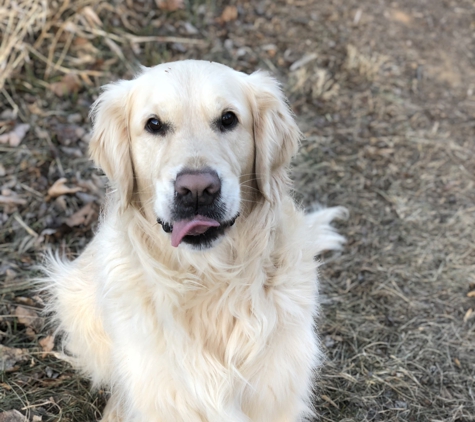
pixel 224 334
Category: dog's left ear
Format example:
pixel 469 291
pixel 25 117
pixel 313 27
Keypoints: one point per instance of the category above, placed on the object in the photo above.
pixel 276 135
pixel 110 142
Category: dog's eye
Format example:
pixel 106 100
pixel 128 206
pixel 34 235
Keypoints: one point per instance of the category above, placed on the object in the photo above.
pixel 155 126
pixel 228 121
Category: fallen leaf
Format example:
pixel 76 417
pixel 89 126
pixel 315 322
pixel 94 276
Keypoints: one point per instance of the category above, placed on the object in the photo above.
pixel 457 362
pixel 47 345
pixel 69 84
pixel 82 43
pixel 229 14
pixel 471 294
pixel 28 301
pixel 85 216
pixel 12 200
pixel 469 314
pixel 400 16
pixel 12 416
pixel 10 356
pixel 170 5
pixel 59 188
pixel 28 317
pixel 385 151
pixel 38 300
pixel 10 276
pixel 36 109
pixel 15 137
pixel 30 333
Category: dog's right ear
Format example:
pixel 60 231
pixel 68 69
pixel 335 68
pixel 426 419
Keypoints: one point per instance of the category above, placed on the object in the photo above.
pixel 110 143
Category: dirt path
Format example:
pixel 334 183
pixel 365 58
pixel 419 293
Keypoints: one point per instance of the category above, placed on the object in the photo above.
pixel 396 146
pixel 385 95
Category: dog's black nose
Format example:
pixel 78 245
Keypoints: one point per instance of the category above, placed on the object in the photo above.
pixel 197 188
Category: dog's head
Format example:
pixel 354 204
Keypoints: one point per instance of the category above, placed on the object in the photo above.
pixel 194 144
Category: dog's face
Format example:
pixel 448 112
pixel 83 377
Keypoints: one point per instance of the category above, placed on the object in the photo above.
pixel 193 144
pixel 192 148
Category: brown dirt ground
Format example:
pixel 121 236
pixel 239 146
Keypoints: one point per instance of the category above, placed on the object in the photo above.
pixel 384 93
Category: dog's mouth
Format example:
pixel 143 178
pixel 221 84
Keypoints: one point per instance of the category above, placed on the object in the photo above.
pixel 198 231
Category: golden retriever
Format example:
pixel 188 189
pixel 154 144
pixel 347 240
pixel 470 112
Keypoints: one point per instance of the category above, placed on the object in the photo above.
pixel 196 299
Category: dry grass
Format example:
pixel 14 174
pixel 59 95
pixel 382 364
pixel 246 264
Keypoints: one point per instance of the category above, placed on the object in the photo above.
pixel 60 34
pixel 18 20
pixel 389 129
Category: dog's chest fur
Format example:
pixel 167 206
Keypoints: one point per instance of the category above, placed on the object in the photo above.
pixel 221 319
pixel 213 333
pixel 226 321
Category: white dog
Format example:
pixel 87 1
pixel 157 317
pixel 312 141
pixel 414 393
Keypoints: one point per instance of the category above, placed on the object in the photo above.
pixel 197 297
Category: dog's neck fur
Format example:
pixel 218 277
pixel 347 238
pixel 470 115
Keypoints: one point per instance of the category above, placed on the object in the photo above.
pixel 227 252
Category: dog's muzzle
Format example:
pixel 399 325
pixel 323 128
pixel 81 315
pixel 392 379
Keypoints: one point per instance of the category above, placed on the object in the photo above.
pixel 198 211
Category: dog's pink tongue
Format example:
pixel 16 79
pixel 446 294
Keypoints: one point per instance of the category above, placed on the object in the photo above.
pixel 195 226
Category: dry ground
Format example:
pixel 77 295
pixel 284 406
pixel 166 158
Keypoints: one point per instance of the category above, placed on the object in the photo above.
pixel 385 94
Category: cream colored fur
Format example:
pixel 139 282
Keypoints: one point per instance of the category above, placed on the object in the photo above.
pixel 222 334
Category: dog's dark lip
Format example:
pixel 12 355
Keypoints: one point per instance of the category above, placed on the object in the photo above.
pixel 203 240
pixel 167 227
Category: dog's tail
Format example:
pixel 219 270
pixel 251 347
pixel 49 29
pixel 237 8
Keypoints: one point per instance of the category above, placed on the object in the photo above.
pixel 324 236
